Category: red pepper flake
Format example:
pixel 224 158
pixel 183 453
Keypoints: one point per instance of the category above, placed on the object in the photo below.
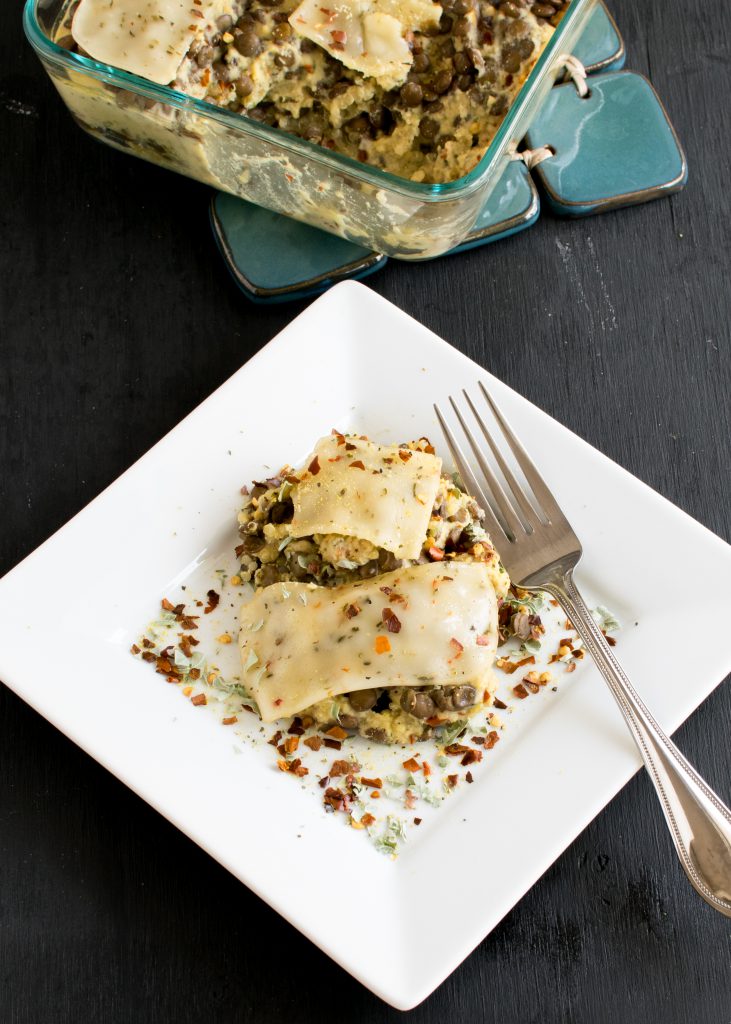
pixel 479 740
pixel 412 765
pixel 483 640
pixel 456 749
pixel 513 666
pixel 367 819
pixel 435 720
pixel 372 783
pixel 418 821
pixel 147 643
pixel 167 605
pixel 343 768
pixel 292 479
pixel 313 742
pixel 520 691
pixel 314 466
pixel 277 702
pixel 409 800
pixel 468 777
pixel 436 554
pixel 195 673
pixel 356 465
pixel 393 624
pixel 291 744
pixel 386 590
pixel 375 795
pixel 199 699
pixel 336 733
pixel 275 738
pixel 533 687
pixel 351 610
pixel 501 705
pixel 457 647
pixel 296 728
pixel 611 640
pixel 323 781
pixel 452 781
pixel 471 756
pixel 229 721
pixel 299 769
pixel 404 454
pixel 491 739
pixel 349 447
pixel 336 800
pixel 382 645
pixel 213 599
pixel 426 769
pixel 571 667
pixel 338 36
pixel 135 649
pixel 332 744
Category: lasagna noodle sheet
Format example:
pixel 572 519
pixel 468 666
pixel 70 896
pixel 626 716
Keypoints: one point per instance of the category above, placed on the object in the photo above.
pixel 357 488
pixel 301 643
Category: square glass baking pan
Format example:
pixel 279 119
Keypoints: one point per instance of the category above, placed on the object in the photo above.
pixel 266 166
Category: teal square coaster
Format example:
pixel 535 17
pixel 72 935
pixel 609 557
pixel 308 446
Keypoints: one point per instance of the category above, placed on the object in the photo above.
pixel 274 258
pixel 600 46
pixel 615 147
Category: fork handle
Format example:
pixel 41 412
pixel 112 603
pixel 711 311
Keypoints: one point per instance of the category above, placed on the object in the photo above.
pixel 699 822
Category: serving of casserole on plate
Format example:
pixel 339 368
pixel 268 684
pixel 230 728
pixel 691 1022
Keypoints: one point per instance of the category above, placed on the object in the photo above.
pixel 562 754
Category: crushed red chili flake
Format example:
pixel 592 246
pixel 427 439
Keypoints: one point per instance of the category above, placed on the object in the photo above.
pixel 351 610
pixel 275 738
pixel 452 781
pixel 314 466
pixel 199 699
pixel 386 590
pixel 356 465
pixel 194 673
pixel 167 605
pixel 571 667
pixel 499 704
pixel 213 599
pixel 291 744
pixel 412 765
pixel 491 739
pixel 483 640
pixel 513 666
pixel 367 819
pixel 323 781
pixel 436 554
pixel 393 623
pixel 611 640
pixel 457 647
pixel 336 800
pixel 343 767
pixel 520 691
pixel 336 733
pixel 333 744
pixel 404 454
pixel 418 821
pixel 164 667
pixel 189 621
pixel 313 742
pixel 566 641
pixel 372 783
pixel 187 643
pixel 435 720
pixel 229 721
pixel 409 800
pixel 456 749
pixel 147 643
pixel 299 769
pixel 426 769
pixel 296 728
pixel 479 740
pixel 135 649
pixel 468 777
pixel 470 757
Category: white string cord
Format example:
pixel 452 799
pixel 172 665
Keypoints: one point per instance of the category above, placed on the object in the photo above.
pixel 576 71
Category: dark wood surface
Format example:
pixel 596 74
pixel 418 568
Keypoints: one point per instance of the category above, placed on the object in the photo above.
pixel 117 318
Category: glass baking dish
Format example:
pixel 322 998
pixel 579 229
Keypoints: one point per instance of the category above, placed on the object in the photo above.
pixel 266 166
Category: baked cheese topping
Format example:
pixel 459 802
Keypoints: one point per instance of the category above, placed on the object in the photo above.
pixel 429 624
pixel 148 38
pixel 367 35
pixel 379 493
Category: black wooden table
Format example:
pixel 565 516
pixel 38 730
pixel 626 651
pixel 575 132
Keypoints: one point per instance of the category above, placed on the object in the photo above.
pixel 117 318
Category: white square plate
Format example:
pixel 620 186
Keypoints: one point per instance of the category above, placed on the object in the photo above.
pixel 71 610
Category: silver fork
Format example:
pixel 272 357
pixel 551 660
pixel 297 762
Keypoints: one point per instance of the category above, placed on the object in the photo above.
pixel 540 551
